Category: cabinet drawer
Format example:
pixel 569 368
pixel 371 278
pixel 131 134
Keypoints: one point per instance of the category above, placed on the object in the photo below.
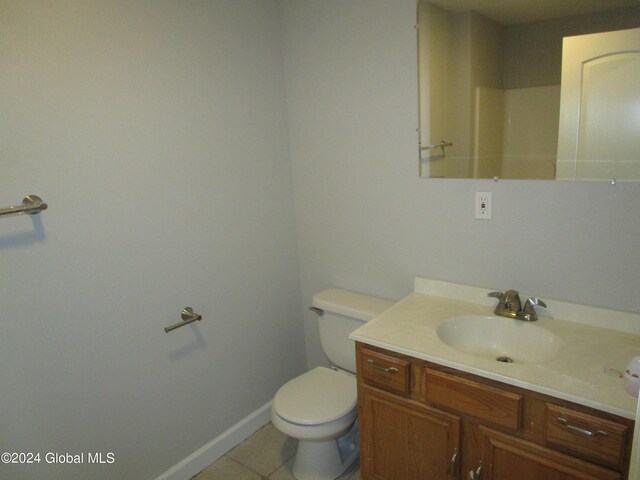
pixel 510 457
pixel 586 436
pixel 385 371
pixel 481 401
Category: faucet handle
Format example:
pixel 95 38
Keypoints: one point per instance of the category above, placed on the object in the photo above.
pixel 529 312
pixel 500 297
pixel 532 302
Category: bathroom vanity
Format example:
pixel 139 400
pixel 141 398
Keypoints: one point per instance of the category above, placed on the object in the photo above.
pixel 421 420
pixel 430 410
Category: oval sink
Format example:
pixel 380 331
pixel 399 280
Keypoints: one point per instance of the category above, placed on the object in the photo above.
pixel 500 338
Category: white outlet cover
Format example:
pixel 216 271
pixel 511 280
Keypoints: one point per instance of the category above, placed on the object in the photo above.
pixel 483 206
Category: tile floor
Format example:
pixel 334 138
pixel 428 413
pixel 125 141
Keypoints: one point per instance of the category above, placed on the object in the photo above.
pixel 265 455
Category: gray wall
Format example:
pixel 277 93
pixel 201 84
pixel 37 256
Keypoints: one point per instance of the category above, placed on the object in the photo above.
pixel 156 131
pixel 367 222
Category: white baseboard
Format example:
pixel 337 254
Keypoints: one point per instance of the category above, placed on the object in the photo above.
pixel 216 448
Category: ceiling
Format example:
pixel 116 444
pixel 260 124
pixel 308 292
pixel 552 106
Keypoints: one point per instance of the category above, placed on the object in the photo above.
pixel 525 11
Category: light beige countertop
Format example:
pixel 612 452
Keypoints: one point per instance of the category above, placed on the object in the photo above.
pixel 580 372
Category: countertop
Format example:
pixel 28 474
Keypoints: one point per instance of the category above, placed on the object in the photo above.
pixel 580 372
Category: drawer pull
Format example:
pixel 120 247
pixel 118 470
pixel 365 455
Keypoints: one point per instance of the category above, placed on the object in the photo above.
pixel 581 431
pixel 390 370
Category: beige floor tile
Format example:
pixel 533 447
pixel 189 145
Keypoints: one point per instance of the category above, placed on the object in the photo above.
pixel 265 451
pixel 284 472
pixel 226 468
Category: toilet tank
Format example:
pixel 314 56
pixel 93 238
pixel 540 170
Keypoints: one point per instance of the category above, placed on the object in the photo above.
pixel 344 311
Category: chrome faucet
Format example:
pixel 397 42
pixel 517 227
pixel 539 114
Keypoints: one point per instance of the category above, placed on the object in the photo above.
pixel 509 305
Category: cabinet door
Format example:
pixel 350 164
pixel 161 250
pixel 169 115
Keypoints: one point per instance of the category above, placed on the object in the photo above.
pixel 505 457
pixel 403 440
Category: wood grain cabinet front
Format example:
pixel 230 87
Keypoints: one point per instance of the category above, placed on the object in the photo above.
pixel 422 421
pixel 488 404
pixel 386 371
pixel 586 436
pixel 404 440
pixel 504 456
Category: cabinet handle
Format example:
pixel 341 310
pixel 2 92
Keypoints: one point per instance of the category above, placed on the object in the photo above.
pixel 581 431
pixel 477 473
pixel 453 464
pixel 390 370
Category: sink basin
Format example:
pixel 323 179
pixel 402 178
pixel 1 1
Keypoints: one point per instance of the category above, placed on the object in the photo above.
pixel 500 338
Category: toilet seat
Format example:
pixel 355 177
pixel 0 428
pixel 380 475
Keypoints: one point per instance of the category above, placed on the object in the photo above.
pixel 319 396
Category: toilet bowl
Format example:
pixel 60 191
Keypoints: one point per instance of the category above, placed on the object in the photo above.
pixel 319 408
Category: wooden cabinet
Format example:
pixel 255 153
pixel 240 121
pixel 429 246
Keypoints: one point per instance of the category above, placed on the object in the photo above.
pixel 406 440
pixel 423 421
pixel 505 456
pixel 585 436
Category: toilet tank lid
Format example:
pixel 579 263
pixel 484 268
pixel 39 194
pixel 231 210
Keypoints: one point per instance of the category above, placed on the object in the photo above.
pixel 350 304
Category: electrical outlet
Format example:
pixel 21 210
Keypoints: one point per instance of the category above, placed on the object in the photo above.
pixel 483 205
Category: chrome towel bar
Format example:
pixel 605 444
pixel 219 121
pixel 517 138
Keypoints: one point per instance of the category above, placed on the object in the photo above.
pixel 187 317
pixel 31 204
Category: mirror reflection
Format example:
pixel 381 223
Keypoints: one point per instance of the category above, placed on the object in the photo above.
pixel 499 99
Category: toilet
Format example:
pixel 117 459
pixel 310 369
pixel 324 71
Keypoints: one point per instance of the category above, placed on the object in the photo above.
pixel 319 408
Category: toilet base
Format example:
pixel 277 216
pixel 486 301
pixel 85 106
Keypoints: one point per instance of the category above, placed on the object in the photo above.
pixel 326 460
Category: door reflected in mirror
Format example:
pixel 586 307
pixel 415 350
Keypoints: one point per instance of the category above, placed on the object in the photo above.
pixel 490 80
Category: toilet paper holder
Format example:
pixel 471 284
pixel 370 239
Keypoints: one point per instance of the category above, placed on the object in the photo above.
pixel 188 316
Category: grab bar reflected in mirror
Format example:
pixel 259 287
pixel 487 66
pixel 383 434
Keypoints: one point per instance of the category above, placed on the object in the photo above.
pixel 441 145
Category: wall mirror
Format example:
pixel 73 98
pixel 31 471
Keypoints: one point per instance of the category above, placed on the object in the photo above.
pixel 500 99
